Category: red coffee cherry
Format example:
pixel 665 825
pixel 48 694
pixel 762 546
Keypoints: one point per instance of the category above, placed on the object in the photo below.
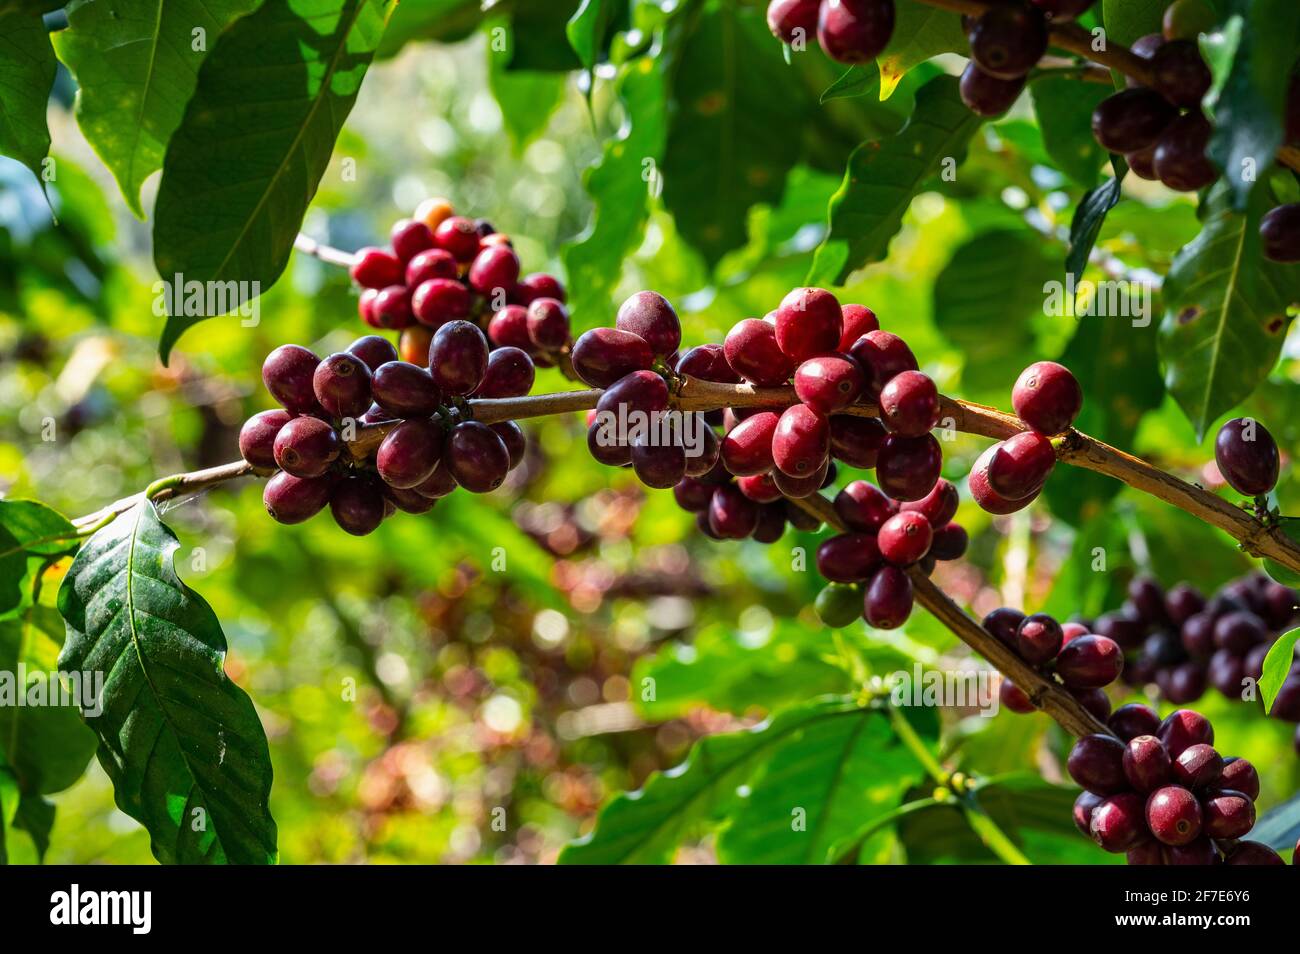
pixel 909 404
pixel 257 436
pixel 289 499
pixel 649 315
pixel 988 499
pixel 1147 765
pixel 855 31
pixel 1149 852
pixel 1227 814
pixel 430 264
pixel 440 300
pixel 1184 728
pixel 539 285
pixel 1014 698
pixel 1240 776
pixel 905 538
pixel 1198 766
pixel 548 324
pixel 458 357
pixel 477 457
pixel 1118 824
pixel 376 268
pixel 1020 465
pixel 409 453
pixel 863 506
pixel 341 384
pixel 828 383
pixel 808 323
pixel 752 351
pixel 801 441
pixel 882 356
pixel 791 20
pixel 287 373
pixel 747 449
pixel 658 466
pixel 888 601
pixel 459 236
pixel 856 440
pixel 1174 815
pixel 939 506
pixel 1089 662
pixel 907 468
pixel 495 268
pixel 603 355
pixel 856 321
pixel 1200 851
pixel 306 446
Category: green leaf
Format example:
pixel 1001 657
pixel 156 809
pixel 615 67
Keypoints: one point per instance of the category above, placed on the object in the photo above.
pixel 1277 666
pixel 526 98
pixel 1064 108
pixel 546 27
pixel 442 21
pixel 1290 526
pixel 1088 220
pixel 1279 827
pixel 36 817
pixel 27 68
pixel 620 186
pixel 827 783
pixel 136 67
pixel 1225 313
pixel 8 806
pixel 30 534
pixel 884 175
pixel 995 280
pixel 46 744
pixel 587 29
pixel 257 136
pixel 735 132
pixel 862 80
pixel 645 827
pixel 180 741
pixel 1249 106
pixel 1126 20
pixel 920 32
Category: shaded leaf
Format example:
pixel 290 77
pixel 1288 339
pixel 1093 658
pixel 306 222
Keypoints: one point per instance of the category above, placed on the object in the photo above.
pixel 271 99
pixel 588 28
pixel 1064 108
pixel 860 80
pixel 883 176
pixel 136 67
pixel 527 98
pixel 546 27
pixel 30 534
pixel 182 743
pixel 1126 20
pixel 441 21
pixel 1279 827
pixel 1088 220
pixel 27 69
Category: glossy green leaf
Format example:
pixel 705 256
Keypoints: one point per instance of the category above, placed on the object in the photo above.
pixel 1291 527
pixel 136 67
pixel 1225 313
pixel 182 743
pixel 1277 666
pixel 646 826
pixel 735 132
pixel 257 136
pixel 1279 827
pixel 587 29
pixel 1088 219
pixel 35 817
pixel 861 80
pixel 1064 106
pixel 546 27
pixel 30 534
pixel 527 98
pixel 1126 20
pixel 884 175
pixel 441 21
pixel 1248 109
pixel 920 32
pixel 27 69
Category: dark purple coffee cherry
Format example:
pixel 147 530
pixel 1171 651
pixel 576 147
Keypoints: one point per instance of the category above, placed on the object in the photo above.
pixel 1226 673
pixel 1118 824
pixel 1179 73
pixel 1183 601
pixel 1149 852
pixel 1198 766
pixel 1131 119
pixel 1240 776
pixel 1227 814
pixel 603 355
pixel 257 436
pixel 1134 719
pixel 409 452
pixel 405 390
pixel 341 383
pixel 458 357
pixel 357 504
pixel 856 440
pixel 1007 41
pixel 907 468
pixel 1047 397
pixel 1039 638
pixel 1143 163
pixel 648 315
pixel 848 557
pixel 659 466
pixel 373 351
pixel 408 501
pixel 1097 763
pixel 512 435
pixel 1095 701
pixel 1252 853
pixel 731 514
pixel 1180 159
pixel 883 356
pixel 477 457
pixel 709 363
pixel 1003 623
pixel 1014 698
pixel 1184 728
pixel 1238 631
pixel 289 499
pixel 306 446
pixel 1279 232
pixel 1174 815
pixel 888 601
pixel 1199 851
pixel 855 31
pixel 438 484
pixel 863 506
pixel 1121 627
pixel 287 373
pixel 510 373
pixel 1147 765
pixel 987 95
pixel 1247 456
pixel 1197 635
pixel 950 542
pixel 1090 662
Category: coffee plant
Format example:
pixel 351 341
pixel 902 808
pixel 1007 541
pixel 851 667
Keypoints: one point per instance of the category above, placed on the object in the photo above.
pixel 723 409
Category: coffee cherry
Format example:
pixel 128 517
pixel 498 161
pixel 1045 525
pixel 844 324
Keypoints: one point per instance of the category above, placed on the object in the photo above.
pixel 1182 684
pixel 709 363
pixel 863 507
pixel 693 494
pixel 1180 160
pixel 433 212
pixel 413 344
pixel 808 323
pixel 1227 814
pixel 801 441
pixel 888 602
pixel 1131 119
pixel 760 488
pixel 856 321
pixel 548 324
pixel 828 383
pixel 1240 776
pixel 438 484
pixel 366 307
pixel 357 504
pixel 939 506
pixel 376 268
pixel 306 446
pixel 1184 728
pixel 1019 466
pixel 373 351
pixel 1247 456
pixel 950 542
pixel 987 95
pixel 838 604
pixel 459 236
pixel 1252 853
pixel 603 355
pixel 1089 662
pixel 643 392
pixel 1198 766
pixel 1014 698
pixel 509 328
pixel 287 373
pixel 848 557
pixel 1095 701
pixel 1143 163
pixel 1003 623
pixel 606 448
pixel 709 453
pixel 1117 823
pixel 510 373
pixel 659 466
pixel 649 315
pixel 856 440
pixel 905 538
pixel 1182 602
pixel 408 501
pixel 477 457
pixel 1039 638
pixel 1174 815
pixel 909 404
pixel 1134 719
pixel 458 357
pixel 732 515
pixel 985 496
pixel 797 488
pixel 1147 765
pixel 539 285
pixel 257 436
pixel 907 468
pixel 1200 851
pixel 1149 852
pixel 1279 233
pixel 1047 397
pixel 1008 41
pixel 289 499
pixel 855 31
pixel 1179 73
pixel 430 264
pixel 392 308
pixel 341 384
pixel 752 351
pixel 440 300
pixel 1238 631
pixel 747 448
pixel 404 390
pixel 882 356
pixel 495 268
pixel 1097 763
pixel 791 20
pixel 409 453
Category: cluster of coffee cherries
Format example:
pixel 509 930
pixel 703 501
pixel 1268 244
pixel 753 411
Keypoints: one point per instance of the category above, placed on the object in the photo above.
pixel 1010 475
pixel 1158 792
pixel 1006 41
pixel 441 267
pixel 430 444
pixel 1183 643
pixel 849 31
pixel 1082 661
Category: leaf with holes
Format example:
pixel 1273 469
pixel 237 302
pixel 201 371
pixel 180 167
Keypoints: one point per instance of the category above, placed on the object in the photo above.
pixel 182 743
pixel 257 136
pixel 27 69
pixel 1225 312
pixel 920 32
pixel 883 176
